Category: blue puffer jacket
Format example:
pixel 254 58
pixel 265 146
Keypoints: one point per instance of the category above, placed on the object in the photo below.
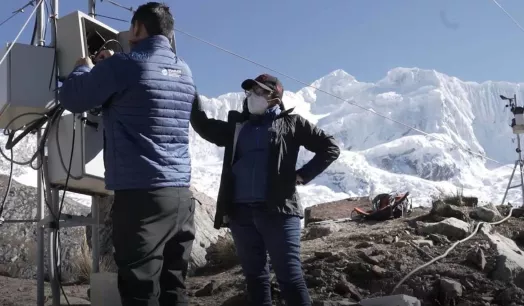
pixel 146 97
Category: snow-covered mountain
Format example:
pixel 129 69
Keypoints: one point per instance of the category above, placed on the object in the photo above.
pixel 380 155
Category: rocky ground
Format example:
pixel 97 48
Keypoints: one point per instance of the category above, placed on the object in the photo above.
pixel 347 261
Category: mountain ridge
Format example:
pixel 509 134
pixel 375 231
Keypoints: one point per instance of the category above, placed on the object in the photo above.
pixel 379 155
pixel 468 114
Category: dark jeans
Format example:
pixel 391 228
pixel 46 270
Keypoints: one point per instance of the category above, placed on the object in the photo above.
pixel 257 232
pixel 153 233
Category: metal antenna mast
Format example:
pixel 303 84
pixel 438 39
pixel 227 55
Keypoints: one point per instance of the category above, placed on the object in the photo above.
pixel 40 210
pixel 91 8
pixel 518 128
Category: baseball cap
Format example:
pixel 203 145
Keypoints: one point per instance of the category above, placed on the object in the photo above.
pixel 267 82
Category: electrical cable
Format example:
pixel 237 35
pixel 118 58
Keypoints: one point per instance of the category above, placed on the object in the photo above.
pixel 110 41
pixel 112 18
pixel 45 197
pixel 120 5
pixel 18 11
pixel 33 37
pixel 40 146
pixel 450 249
pixel 68 176
pixel 8 188
pixel 509 15
pixel 59 149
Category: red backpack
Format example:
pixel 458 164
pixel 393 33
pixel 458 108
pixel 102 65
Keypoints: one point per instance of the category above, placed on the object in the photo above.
pixel 385 206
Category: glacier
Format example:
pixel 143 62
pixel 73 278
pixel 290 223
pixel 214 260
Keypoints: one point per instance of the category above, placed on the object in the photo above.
pixel 462 122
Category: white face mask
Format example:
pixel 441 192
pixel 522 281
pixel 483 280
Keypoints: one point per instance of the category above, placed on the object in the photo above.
pixel 257 105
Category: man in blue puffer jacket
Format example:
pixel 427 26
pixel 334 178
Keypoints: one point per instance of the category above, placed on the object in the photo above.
pixel 146 97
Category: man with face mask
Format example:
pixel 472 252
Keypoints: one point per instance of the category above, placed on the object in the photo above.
pixel 257 197
pixel 146 98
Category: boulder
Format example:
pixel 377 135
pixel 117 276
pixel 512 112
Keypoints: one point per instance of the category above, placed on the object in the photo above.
pixel 509 265
pixel 452 228
pixel 321 230
pixel 18 241
pixel 334 210
pixel 205 238
pixel 423 243
pixel 206 234
pixel 487 213
pixel 397 300
pixel 450 289
pixel 477 257
pixel 440 208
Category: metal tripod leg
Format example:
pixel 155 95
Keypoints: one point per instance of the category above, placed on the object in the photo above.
pixel 509 183
pixel 40 238
pixel 521 163
pixel 517 163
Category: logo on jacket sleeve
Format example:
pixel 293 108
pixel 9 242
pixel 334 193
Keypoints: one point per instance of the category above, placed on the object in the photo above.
pixel 174 73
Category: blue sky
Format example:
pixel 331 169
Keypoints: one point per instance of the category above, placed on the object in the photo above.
pixel 471 39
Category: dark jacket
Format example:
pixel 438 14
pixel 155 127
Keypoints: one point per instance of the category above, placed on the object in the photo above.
pixel 146 97
pixel 250 166
pixel 287 133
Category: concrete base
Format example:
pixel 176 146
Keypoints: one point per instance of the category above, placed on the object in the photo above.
pixel 104 289
pixel 392 300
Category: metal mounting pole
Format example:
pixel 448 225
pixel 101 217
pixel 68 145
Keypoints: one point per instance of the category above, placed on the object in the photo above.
pixel 95 200
pixel 521 164
pixel 40 209
pixel 54 198
pixel 91 8
pixel 520 161
pixel 40 238
pixel 54 252
pixel 40 25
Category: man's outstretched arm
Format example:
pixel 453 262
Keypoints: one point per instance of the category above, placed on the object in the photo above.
pixel 87 88
pixel 212 130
